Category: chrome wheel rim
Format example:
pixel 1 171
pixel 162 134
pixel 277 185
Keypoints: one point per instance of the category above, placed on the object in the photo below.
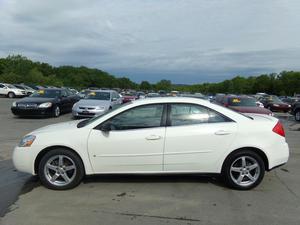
pixel 60 170
pixel 245 171
pixel 57 111
pixel 297 116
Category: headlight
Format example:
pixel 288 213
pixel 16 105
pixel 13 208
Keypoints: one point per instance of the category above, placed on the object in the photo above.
pixel 100 107
pixel 45 105
pixel 27 141
pixel 14 104
pixel 276 105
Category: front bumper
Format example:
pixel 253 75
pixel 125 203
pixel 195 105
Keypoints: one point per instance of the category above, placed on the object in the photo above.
pixel 23 159
pixel 32 112
pixel 280 109
pixel 87 113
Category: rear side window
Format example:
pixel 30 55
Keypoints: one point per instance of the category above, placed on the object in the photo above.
pixel 190 114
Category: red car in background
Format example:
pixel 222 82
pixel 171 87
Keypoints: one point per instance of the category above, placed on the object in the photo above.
pixel 273 103
pixel 244 104
pixel 128 97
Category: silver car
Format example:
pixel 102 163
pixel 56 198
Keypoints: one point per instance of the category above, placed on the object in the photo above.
pixel 96 103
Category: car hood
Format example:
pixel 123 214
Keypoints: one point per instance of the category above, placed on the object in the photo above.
pixel 92 102
pixel 35 100
pixel 250 109
pixel 57 127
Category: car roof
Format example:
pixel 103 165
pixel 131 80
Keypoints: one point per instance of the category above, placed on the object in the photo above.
pixel 163 100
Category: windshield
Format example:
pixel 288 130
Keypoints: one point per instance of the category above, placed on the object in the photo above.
pixel 98 96
pixel 247 102
pixel 46 94
pixel 89 121
pixel 274 99
pixel 10 86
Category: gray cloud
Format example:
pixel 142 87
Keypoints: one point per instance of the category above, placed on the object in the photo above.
pixel 182 40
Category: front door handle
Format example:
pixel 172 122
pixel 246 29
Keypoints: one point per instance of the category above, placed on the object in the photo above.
pixel 153 137
pixel 222 132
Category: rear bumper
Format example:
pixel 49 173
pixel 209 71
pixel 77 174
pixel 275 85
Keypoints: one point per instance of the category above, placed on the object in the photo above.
pixel 279 155
pixel 32 112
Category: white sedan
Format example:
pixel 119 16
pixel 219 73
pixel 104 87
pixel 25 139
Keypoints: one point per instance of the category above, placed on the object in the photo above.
pixel 156 136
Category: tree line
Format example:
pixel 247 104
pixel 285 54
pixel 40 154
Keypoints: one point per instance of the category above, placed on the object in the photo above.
pixel 19 69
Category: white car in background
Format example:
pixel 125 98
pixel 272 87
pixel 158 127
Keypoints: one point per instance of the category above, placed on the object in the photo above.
pixel 11 91
pixel 156 136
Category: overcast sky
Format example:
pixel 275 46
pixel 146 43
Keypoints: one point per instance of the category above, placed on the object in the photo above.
pixel 186 41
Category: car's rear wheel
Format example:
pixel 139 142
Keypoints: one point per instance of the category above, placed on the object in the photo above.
pixel 11 95
pixel 243 170
pixel 60 169
pixel 297 115
pixel 56 111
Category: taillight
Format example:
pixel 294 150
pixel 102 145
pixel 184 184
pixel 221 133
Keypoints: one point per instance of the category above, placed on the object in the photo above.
pixel 278 129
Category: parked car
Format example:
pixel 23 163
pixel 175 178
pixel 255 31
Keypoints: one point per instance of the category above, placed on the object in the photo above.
pixel 273 103
pixel 158 135
pixel 244 104
pixel 296 111
pixel 290 100
pixel 96 103
pixel 11 91
pixel 45 102
pixel 28 90
pixel 153 95
pixel 128 97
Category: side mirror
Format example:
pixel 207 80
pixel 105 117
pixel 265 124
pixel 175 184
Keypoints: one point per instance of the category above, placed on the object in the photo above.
pixel 106 127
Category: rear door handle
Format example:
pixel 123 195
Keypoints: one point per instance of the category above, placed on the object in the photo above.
pixel 153 137
pixel 222 132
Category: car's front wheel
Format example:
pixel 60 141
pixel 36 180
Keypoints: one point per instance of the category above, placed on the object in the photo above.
pixel 11 95
pixel 60 169
pixel 56 111
pixel 243 170
pixel 297 115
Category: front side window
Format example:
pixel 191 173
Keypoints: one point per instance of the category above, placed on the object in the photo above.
pixel 147 116
pixel 190 114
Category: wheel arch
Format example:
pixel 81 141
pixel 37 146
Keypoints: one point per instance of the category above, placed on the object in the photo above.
pixel 50 148
pixel 256 150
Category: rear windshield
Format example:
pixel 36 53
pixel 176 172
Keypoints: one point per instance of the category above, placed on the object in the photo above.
pixel 242 102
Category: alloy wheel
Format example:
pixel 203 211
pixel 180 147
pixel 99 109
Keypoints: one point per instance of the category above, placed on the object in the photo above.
pixel 56 111
pixel 297 116
pixel 245 171
pixel 60 170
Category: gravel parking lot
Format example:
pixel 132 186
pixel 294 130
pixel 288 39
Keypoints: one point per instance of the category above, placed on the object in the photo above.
pixel 143 199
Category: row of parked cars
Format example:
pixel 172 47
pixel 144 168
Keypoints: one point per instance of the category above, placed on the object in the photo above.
pixel 92 102
pixel 260 104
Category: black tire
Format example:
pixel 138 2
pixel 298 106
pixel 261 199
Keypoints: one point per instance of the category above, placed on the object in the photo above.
pixel 11 95
pixel 56 111
pixel 77 177
pixel 232 160
pixel 297 115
